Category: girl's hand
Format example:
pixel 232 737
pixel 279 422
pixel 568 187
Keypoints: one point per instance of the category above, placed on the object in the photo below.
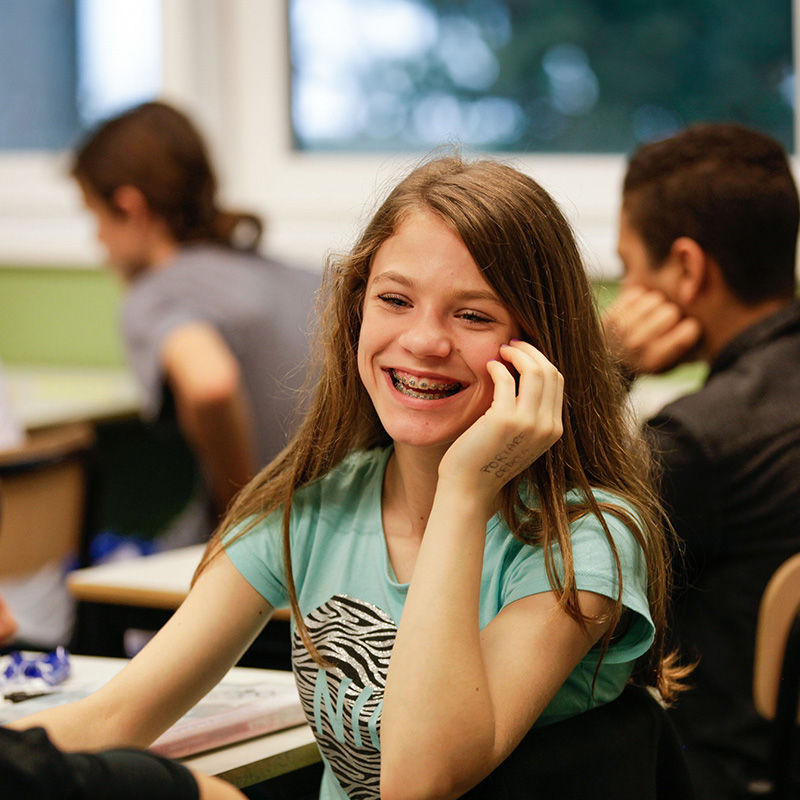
pixel 518 427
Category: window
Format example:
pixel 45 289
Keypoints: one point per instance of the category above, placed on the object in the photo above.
pixel 570 76
pixel 38 74
pixel 65 64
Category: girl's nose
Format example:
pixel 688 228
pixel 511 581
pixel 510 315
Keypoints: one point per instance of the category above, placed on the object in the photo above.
pixel 426 337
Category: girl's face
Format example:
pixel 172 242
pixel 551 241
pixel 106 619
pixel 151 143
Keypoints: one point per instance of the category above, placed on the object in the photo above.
pixel 431 322
pixel 119 235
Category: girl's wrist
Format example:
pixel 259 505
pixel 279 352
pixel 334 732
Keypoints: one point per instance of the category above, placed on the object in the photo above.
pixel 467 497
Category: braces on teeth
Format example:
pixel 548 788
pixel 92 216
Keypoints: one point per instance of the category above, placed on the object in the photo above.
pixel 424 384
pixel 408 384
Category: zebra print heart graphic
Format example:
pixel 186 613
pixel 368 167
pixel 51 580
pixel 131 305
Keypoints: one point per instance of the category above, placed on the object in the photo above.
pixel 343 704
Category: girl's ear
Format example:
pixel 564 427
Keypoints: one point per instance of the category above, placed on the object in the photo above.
pixel 693 270
pixel 130 202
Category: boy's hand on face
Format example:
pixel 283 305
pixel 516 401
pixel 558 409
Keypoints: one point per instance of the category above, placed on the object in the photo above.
pixel 647 333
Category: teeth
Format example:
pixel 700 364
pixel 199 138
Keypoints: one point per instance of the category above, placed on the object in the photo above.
pixel 424 384
pixel 432 390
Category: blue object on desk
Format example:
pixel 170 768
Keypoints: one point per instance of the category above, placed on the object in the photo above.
pixel 51 668
pixel 109 546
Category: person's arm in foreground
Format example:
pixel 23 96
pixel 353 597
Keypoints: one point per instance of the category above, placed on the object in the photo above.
pixel 458 699
pixel 32 767
pixel 646 333
pixel 212 788
pixel 203 639
pixel 213 410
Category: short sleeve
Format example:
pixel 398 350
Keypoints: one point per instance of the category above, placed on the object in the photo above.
pixel 258 555
pixel 596 571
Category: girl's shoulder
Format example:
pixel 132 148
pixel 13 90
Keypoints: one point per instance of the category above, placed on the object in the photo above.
pixel 589 533
pixel 349 479
pixel 358 474
pixel 618 519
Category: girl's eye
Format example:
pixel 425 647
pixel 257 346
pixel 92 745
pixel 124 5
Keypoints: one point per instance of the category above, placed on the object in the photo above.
pixel 393 300
pixel 476 317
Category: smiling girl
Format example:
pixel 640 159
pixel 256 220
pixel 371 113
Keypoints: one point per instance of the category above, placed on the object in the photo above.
pixel 463 525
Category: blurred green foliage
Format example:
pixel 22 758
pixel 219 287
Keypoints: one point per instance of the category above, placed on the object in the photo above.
pixel 552 75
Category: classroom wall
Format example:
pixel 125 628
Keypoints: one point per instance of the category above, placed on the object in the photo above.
pixel 59 316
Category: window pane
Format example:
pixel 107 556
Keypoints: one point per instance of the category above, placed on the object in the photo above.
pixel 119 46
pixel 550 75
pixel 65 64
pixel 38 74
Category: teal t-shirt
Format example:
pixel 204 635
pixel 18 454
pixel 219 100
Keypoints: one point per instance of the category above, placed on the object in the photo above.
pixel 351 602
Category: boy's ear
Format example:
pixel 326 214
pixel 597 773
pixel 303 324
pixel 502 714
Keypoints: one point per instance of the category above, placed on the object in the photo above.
pixel 130 202
pixel 693 263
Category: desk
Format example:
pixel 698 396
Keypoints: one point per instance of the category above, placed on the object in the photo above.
pixel 160 580
pixel 41 395
pixel 243 763
pixel 142 593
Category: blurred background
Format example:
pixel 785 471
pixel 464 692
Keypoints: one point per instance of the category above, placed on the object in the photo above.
pixel 313 107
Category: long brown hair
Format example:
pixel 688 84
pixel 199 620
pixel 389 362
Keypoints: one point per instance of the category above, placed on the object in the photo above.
pixel 527 252
pixel 156 148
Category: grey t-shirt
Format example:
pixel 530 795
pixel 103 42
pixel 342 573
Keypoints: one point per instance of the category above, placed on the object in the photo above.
pixel 260 307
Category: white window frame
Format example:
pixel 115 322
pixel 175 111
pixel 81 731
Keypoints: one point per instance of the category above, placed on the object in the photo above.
pixel 226 62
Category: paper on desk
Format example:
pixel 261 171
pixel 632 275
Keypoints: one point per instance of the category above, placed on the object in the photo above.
pixel 9 712
pixel 231 712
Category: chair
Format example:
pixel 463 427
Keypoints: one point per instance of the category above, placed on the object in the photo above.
pixel 43 491
pixel 776 670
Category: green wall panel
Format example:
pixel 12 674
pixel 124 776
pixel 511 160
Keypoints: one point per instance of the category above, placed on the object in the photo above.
pixel 59 316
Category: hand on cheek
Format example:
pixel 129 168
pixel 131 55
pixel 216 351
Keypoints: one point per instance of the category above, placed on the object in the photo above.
pixel 523 421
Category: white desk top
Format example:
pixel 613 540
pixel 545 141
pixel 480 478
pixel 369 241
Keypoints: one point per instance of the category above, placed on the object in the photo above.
pixel 161 580
pixel 242 764
pixel 41 395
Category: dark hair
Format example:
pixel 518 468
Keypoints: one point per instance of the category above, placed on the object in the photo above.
pixel 730 189
pixel 157 149
pixel 527 252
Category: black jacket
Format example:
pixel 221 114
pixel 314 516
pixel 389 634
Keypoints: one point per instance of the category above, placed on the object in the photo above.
pixel 730 455
pixel 32 767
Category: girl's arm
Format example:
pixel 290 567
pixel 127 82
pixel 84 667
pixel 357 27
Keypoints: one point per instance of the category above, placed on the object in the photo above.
pixel 213 410
pixel 205 637
pixel 459 699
